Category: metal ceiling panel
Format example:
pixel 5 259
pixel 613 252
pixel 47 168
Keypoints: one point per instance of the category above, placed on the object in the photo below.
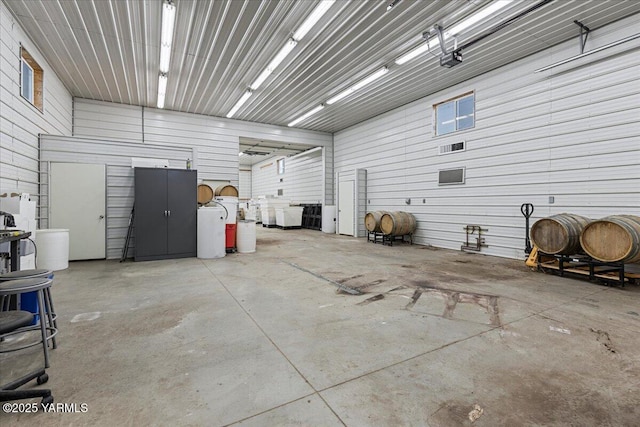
pixel 109 50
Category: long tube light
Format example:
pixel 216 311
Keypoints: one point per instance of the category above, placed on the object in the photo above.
pixel 305 115
pixel 375 76
pixel 298 34
pixel 162 89
pixel 466 23
pixel 582 55
pixel 417 51
pixel 239 104
pixel 483 13
pixel 302 30
pixel 286 49
pixel 166 37
pixel 312 19
pixel 392 4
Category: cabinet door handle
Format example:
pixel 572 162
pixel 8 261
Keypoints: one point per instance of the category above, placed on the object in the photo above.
pixel 165 213
pixel 169 213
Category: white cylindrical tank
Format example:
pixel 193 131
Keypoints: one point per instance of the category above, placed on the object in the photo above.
pixel 246 237
pixel 231 204
pixel 211 232
pixel 52 248
pixel 328 219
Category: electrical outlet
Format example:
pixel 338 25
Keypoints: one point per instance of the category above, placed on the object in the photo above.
pixel 552 200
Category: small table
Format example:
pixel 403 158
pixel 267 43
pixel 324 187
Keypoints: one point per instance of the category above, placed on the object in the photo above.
pixel 14 237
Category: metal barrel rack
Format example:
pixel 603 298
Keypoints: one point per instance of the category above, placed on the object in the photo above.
pixel 608 273
pixel 387 240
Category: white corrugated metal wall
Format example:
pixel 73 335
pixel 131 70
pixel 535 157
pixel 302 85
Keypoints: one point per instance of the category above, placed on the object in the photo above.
pixel 301 181
pixel 212 142
pixel 215 139
pixel 572 132
pixel 21 122
pixel 116 155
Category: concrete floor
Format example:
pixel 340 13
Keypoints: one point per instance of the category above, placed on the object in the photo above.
pixel 266 339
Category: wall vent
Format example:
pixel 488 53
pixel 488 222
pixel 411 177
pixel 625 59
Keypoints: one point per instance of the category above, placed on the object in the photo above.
pixel 451 176
pixel 452 148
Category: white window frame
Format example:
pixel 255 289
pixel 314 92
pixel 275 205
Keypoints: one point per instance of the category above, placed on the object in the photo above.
pixel 454 101
pixel 30 96
pixel 280 166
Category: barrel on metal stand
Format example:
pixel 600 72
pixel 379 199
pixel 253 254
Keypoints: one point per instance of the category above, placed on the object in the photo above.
pixel 613 238
pixel 372 221
pixel 397 223
pixel 559 234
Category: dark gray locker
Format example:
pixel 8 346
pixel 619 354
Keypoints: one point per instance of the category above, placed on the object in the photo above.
pixel 166 213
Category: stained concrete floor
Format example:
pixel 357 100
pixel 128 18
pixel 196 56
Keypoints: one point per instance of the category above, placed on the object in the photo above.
pixel 275 338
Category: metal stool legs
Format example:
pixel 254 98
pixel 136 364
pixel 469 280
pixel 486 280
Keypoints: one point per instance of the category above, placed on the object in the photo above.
pixel 51 316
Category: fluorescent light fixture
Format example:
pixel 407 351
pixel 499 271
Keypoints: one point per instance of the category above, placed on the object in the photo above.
pixel 305 115
pixel 308 23
pixel 375 76
pixel 413 53
pixel 239 104
pixel 312 19
pixel 392 4
pixel 468 22
pixel 288 47
pixel 455 30
pixel 166 37
pixel 162 89
pixel 165 58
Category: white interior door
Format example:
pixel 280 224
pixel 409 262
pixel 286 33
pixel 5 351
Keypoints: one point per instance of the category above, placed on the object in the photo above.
pixel 346 208
pixel 77 199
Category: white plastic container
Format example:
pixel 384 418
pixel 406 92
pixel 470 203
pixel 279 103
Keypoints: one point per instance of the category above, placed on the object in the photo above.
pixel 231 203
pixel 53 248
pixel 268 216
pixel 211 232
pixel 289 217
pixel 246 237
pixel 329 219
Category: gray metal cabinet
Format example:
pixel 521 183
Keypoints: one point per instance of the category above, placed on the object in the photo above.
pixel 165 214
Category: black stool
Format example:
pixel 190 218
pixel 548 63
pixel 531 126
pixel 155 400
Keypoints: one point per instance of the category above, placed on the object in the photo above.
pixel 13 322
pixel 48 300
pixel 38 285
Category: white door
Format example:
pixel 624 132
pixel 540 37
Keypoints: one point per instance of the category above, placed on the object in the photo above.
pixel 77 199
pixel 346 208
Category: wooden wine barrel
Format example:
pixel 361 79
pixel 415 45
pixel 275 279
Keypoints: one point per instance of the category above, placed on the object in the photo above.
pixel 397 223
pixel 559 234
pixel 226 190
pixel 613 238
pixel 205 194
pixel 372 221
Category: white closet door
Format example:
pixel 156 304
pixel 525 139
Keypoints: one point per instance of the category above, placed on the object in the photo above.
pixel 77 201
